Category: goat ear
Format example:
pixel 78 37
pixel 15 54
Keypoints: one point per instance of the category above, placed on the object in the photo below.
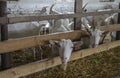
pixel 105 32
pixel 54 42
pixel 51 41
pixel 78 43
pixel 57 43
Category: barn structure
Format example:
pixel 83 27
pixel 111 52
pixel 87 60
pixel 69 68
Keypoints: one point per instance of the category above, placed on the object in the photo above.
pixel 8 46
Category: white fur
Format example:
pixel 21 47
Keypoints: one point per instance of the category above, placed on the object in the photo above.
pixel 64 47
pixel 95 33
pixel 113 17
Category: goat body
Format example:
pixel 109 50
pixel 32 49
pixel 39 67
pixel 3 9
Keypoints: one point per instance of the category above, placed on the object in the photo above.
pixel 112 20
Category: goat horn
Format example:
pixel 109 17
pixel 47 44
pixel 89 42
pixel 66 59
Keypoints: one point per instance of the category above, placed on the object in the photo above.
pixel 51 8
pixel 85 5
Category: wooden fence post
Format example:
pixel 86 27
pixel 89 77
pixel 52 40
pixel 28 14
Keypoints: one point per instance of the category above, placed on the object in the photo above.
pixel 78 10
pixel 5 58
pixel 118 32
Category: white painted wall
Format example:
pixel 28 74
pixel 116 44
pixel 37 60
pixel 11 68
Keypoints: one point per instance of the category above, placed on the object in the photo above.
pixel 61 4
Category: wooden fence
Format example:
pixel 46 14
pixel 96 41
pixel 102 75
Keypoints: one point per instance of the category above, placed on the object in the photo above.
pixel 8 46
pixel 39 66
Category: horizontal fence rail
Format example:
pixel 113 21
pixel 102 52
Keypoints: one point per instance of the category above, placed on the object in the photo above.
pixel 9 0
pixel 101 13
pixel 11 20
pixel 28 42
pixel 18 44
pixel 39 66
pixel 114 27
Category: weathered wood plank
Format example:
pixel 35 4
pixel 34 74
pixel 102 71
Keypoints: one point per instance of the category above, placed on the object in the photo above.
pixel 39 18
pixel 13 45
pixel 78 10
pixel 3 0
pixel 39 66
pixel 115 27
pixel 3 20
pixel 5 58
pixel 11 20
pixel 22 43
pixel 118 32
pixel 8 0
pixel 62 16
pixel 101 13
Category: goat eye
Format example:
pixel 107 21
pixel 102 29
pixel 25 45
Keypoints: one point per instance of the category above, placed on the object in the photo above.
pixel 72 47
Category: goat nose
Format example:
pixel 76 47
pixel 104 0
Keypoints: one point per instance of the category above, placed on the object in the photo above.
pixel 64 60
pixel 95 45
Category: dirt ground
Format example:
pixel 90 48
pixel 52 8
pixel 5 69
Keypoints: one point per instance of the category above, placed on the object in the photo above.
pixel 102 65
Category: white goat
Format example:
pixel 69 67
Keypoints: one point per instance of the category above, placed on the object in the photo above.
pixel 95 34
pixel 64 48
pixel 53 26
pixel 60 25
pixel 112 20
pixel 45 27
pixel 88 23
pixel 25 29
